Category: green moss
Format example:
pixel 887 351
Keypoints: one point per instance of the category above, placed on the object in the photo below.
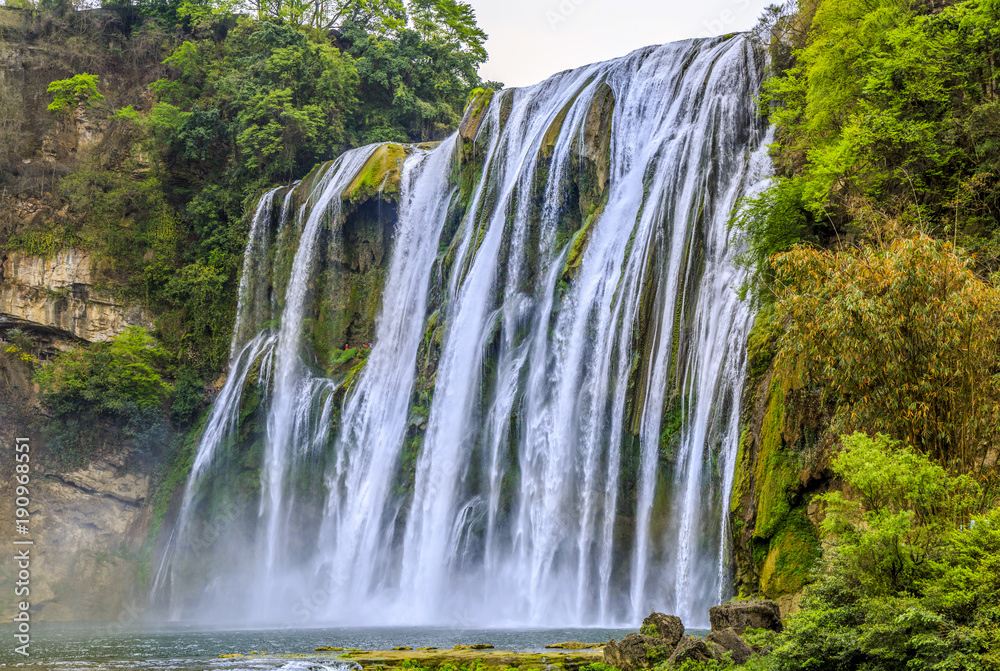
pixel 379 176
pixel 577 246
pixel 761 342
pixel 741 477
pixel 792 553
pixel 670 433
pixel 479 100
pixel 775 472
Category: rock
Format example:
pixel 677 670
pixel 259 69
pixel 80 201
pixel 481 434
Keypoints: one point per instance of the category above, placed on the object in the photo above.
pixel 690 648
pixel 82 518
pixel 574 645
pixel 381 175
pixel 715 649
pixel 730 642
pixel 743 615
pixel 474 646
pixel 667 628
pixel 475 113
pixel 58 294
pixel 636 651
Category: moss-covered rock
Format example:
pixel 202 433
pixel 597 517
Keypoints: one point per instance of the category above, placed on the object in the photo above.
pixel 792 553
pixel 475 112
pixel 636 651
pixel 380 176
pixel 467 658
pixel 779 466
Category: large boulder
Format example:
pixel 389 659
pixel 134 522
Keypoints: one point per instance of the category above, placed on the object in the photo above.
pixel 730 642
pixel 667 628
pixel 743 615
pixel 690 648
pixel 636 651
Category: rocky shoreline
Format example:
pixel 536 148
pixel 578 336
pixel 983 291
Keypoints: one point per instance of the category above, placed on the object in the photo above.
pixel 660 641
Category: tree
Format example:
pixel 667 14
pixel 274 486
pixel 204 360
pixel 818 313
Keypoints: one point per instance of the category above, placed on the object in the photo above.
pixel 106 378
pixel 69 94
pixel 910 577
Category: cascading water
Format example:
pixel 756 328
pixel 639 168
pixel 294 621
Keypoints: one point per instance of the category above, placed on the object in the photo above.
pixel 545 430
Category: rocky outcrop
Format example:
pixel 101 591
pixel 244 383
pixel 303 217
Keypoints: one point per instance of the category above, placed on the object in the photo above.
pixel 742 615
pixel 87 526
pixel 690 649
pixel 636 651
pixel 667 628
pixel 780 466
pixel 57 294
pixel 662 641
pixel 656 641
pixel 730 642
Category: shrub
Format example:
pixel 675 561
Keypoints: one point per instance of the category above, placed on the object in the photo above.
pixel 68 94
pixel 905 337
pixel 106 378
pixel 911 578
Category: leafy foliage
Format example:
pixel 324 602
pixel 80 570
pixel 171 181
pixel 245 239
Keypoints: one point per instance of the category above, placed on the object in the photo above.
pixel 106 378
pixel 106 394
pixel 912 578
pixel 906 338
pixel 68 94
pixel 885 112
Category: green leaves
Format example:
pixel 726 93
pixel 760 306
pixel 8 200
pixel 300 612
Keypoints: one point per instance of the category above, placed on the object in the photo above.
pixel 911 576
pixel 450 21
pixel 899 518
pixel 69 94
pixel 905 337
pixel 877 108
pixel 106 377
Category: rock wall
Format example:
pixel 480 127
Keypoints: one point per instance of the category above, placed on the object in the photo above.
pixel 87 526
pixel 781 465
pixel 57 294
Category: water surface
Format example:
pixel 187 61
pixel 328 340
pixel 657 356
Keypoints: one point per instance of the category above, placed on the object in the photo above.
pixel 67 647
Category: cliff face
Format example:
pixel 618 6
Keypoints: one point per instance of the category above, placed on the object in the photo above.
pixel 56 295
pixel 86 525
pixel 781 465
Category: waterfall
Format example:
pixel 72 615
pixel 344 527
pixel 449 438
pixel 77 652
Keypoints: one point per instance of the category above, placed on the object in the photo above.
pixel 546 428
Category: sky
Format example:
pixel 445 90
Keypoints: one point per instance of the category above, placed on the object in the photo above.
pixel 532 39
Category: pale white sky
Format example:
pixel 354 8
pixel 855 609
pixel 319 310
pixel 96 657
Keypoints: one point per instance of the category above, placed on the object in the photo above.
pixel 532 39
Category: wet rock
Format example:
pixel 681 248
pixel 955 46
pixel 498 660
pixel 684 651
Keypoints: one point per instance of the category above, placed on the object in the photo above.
pixel 636 651
pixel 574 645
pixel 667 628
pixel 475 113
pixel 690 648
pixel 474 646
pixel 743 615
pixel 729 641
